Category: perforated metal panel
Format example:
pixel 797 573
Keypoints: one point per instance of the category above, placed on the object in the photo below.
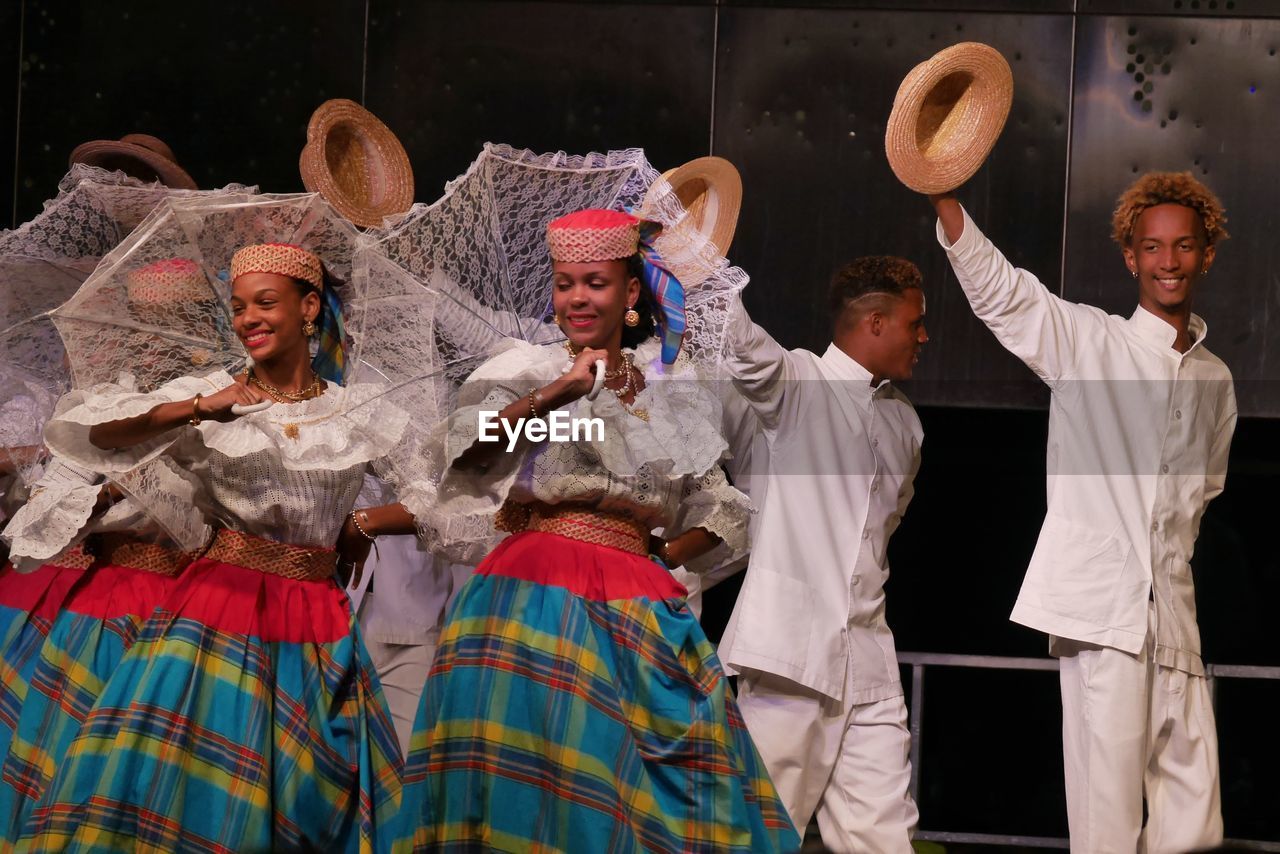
pixel 1179 94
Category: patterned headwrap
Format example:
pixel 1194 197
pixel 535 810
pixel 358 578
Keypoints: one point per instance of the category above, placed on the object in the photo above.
pixel 606 235
pixel 286 259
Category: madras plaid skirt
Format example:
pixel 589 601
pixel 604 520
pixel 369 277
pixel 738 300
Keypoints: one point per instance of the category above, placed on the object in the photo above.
pixel 576 705
pixel 96 625
pixel 29 603
pixel 245 717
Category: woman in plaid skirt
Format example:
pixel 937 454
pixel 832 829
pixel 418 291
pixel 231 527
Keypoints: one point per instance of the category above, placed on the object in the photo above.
pixel 574 703
pixel 246 716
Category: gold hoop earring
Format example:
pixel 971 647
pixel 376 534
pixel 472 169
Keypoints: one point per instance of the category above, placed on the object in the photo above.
pixel 308 328
pixel 632 317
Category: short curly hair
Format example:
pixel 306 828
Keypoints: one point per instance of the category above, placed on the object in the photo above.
pixel 1163 188
pixel 872 274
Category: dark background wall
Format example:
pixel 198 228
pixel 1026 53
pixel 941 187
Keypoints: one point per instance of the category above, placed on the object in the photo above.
pixel 796 94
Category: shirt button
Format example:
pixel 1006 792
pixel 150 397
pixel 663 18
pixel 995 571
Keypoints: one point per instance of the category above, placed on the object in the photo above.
pixel 855 580
pixel 1155 526
pixel 1177 413
pixel 1164 469
pixel 875 486
pixel 875 443
pixel 866 535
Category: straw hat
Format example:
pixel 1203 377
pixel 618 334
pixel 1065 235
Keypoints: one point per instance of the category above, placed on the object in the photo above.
pixel 947 115
pixel 138 155
pixel 710 189
pixel 355 161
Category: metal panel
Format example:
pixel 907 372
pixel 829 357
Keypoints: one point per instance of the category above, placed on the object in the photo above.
pixel 1184 8
pixel 449 76
pixel 229 87
pixel 1023 6
pixel 10 45
pixel 1203 95
pixel 802 100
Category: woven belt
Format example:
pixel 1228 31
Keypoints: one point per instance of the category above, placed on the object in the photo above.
pixel 76 557
pixel 587 526
pixel 296 562
pixel 124 550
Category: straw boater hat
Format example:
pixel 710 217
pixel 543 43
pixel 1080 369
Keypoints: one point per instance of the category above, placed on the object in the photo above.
pixel 356 163
pixel 947 115
pixel 710 189
pixel 138 155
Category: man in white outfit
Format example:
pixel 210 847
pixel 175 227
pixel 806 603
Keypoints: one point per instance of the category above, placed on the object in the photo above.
pixel 819 686
pixel 1140 425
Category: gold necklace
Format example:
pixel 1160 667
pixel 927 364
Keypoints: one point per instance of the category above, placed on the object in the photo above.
pixel 289 428
pixel 629 366
pixel 296 396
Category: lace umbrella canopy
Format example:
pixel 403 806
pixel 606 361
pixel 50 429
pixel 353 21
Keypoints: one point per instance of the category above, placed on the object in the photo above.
pixel 156 308
pixel 42 264
pixel 447 285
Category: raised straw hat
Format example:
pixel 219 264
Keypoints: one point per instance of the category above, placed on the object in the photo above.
pixel 947 115
pixel 355 161
pixel 710 189
pixel 138 155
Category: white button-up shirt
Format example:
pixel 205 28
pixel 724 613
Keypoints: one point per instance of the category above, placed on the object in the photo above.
pixel 1138 442
pixel 837 477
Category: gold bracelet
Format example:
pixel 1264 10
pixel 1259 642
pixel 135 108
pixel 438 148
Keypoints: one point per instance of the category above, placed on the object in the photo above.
pixel 194 421
pixel 355 520
pixel 534 399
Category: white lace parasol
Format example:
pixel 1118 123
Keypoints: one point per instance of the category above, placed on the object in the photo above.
pixel 156 308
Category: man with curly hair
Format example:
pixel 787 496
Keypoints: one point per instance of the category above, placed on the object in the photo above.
pixel 1140 426
pixel 819 686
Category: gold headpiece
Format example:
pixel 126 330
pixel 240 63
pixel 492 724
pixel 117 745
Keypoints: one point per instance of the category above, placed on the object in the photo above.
pixel 285 259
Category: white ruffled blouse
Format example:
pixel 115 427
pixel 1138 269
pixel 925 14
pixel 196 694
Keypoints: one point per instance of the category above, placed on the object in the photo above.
pixel 663 472
pixel 290 473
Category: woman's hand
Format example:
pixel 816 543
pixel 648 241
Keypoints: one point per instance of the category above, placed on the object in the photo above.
pixel 217 406
pixel 579 379
pixel 353 550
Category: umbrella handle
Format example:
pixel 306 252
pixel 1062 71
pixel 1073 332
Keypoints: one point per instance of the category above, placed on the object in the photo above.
pixel 599 383
pixel 245 409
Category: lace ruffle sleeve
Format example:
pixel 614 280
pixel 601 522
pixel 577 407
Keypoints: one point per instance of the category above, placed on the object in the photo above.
pixel 67 433
pixel 711 503
pixel 54 517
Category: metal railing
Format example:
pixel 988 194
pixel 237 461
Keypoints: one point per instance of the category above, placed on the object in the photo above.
pixel 920 660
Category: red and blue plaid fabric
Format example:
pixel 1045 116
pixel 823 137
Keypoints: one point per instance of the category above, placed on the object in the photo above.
pixel 215 740
pixel 576 705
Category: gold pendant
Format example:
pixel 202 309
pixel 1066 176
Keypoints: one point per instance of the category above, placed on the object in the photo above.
pixel 291 430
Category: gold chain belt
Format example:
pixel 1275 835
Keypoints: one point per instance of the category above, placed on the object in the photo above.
pixel 587 526
pixel 124 550
pixel 297 562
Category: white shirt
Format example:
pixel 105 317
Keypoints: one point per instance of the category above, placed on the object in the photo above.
pixel 1138 442
pixel 837 478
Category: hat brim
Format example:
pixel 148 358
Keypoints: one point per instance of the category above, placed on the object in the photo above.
pixel 947 116
pixel 710 189
pixel 135 160
pixel 375 180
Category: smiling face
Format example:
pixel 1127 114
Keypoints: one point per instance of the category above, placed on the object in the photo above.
pixel 590 298
pixel 268 311
pixel 1169 253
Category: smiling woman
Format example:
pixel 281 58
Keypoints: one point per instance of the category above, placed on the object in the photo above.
pixel 255 649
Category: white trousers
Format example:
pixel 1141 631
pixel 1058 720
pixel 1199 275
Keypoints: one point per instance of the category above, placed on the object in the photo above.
pixel 402 670
pixel 849 763
pixel 1129 729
